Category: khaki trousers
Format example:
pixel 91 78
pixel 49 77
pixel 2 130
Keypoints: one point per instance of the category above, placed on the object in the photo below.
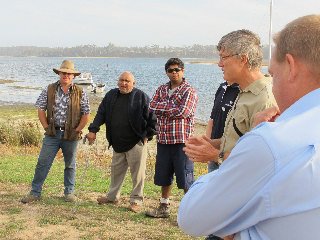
pixel 135 159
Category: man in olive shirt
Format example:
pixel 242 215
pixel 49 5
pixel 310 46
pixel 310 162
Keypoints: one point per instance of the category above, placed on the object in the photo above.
pixel 240 60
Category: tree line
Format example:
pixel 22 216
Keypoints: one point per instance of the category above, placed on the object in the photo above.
pixel 111 50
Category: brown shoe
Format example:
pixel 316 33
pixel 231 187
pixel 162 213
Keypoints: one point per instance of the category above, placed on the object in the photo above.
pixel 161 212
pixel 105 200
pixel 134 207
pixel 30 198
pixel 70 197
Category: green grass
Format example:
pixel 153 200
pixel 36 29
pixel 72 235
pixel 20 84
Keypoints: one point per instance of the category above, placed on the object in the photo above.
pixel 86 218
pixel 11 227
pixel 17 111
pixel 14 210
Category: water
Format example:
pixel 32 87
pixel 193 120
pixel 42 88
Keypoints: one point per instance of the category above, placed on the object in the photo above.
pixel 33 74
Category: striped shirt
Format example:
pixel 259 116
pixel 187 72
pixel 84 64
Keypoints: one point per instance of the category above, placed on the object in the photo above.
pixel 61 104
pixel 175 112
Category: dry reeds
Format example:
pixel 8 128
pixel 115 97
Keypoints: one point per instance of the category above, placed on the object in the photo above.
pixel 20 133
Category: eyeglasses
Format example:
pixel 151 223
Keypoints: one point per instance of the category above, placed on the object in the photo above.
pixel 222 58
pixel 171 70
pixel 65 73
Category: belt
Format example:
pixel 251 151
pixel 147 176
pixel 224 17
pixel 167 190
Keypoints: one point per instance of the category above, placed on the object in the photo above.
pixel 59 128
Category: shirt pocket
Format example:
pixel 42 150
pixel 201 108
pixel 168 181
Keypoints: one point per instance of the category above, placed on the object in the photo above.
pixel 241 121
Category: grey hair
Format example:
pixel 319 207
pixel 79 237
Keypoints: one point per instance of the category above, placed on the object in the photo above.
pixel 128 73
pixel 243 42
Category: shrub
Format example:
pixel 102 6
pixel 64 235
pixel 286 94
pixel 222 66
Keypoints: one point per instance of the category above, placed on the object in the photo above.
pixel 20 133
pixel 8 134
pixel 30 134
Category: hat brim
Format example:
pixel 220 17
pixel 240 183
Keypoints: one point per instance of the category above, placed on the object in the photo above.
pixel 65 70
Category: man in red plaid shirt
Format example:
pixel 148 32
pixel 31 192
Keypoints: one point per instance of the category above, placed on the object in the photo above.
pixel 174 104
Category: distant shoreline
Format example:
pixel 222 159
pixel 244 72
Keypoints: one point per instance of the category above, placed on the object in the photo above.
pixel 211 62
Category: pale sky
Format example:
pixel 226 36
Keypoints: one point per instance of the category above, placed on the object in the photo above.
pixel 67 23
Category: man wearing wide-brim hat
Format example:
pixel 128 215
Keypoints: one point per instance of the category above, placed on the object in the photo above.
pixel 63 111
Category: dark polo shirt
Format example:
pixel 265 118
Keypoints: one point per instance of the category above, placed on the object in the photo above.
pixel 223 102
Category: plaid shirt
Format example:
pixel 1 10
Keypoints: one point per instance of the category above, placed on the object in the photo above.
pixel 61 104
pixel 175 113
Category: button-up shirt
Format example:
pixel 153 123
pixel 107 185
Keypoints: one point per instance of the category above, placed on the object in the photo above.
pixel 61 104
pixel 175 112
pixel 256 97
pixel 269 186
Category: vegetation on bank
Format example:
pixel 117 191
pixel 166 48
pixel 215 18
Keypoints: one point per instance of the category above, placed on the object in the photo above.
pixel 20 133
pixel 111 50
pixel 52 218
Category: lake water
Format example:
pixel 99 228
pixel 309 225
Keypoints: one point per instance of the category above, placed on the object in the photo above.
pixel 32 74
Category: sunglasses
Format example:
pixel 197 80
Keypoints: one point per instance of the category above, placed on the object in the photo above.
pixel 64 73
pixel 171 70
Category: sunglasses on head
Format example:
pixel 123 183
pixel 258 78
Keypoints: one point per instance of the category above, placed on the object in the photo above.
pixel 171 70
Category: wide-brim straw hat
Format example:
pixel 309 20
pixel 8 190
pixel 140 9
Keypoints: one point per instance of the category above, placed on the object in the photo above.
pixel 67 66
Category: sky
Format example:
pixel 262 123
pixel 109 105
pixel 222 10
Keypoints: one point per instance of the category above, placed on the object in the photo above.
pixel 68 23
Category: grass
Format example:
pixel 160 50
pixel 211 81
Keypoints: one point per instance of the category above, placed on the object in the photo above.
pixel 52 218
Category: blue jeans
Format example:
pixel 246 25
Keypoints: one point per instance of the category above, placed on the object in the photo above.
pixel 50 147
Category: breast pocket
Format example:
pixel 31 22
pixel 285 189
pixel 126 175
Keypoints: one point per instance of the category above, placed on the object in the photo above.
pixel 241 122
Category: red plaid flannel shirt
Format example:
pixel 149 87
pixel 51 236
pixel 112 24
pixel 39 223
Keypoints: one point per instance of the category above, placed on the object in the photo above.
pixel 175 114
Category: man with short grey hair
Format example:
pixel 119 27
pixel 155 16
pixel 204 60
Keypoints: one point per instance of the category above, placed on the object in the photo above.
pixel 273 189
pixel 240 60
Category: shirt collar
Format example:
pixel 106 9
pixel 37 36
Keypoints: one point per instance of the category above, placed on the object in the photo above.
pixel 182 83
pixel 308 101
pixel 71 86
pixel 257 86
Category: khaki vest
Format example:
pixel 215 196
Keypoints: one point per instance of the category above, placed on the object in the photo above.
pixel 73 112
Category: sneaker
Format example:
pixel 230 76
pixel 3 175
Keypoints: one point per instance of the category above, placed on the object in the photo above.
pixel 134 207
pixel 161 212
pixel 30 198
pixel 105 200
pixel 70 197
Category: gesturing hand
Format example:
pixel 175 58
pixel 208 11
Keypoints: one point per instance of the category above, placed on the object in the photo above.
pixel 200 149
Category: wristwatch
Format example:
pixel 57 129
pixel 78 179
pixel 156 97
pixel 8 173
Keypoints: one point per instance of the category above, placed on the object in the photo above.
pixel 220 158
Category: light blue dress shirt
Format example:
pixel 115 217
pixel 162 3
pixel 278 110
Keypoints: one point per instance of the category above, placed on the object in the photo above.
pixel 269 187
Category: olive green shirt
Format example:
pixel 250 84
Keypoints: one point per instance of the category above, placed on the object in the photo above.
pixel 254 98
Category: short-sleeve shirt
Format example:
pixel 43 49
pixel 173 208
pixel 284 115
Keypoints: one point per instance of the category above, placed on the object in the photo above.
pixel 223 102
pixel 256 97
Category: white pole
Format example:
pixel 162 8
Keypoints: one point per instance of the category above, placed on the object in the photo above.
pixel 270 29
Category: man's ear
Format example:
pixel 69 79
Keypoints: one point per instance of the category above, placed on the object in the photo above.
pixel 244 59
pixel 292 66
